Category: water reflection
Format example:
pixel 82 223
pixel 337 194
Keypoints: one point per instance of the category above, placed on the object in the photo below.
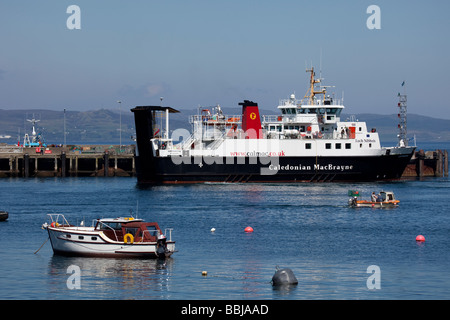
pixel 102 278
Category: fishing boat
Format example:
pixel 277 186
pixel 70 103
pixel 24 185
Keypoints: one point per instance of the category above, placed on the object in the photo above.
pixel 306 142
pixel 36 139
pixel 123 237
pixel 385 199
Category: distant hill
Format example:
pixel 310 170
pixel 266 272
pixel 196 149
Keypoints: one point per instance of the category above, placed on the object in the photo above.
pixel 102 126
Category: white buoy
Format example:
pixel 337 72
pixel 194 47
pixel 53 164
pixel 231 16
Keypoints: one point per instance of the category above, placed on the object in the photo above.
pixel 213 229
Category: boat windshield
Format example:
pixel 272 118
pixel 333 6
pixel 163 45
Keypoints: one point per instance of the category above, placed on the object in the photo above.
pixel 110 225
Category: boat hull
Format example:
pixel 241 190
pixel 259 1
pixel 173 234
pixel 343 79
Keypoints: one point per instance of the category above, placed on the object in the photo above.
pixel 82 242
pixel 370 204
pixel 280 169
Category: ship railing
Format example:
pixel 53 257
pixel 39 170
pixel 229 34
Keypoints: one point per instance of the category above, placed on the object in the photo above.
pixel 152 233
pixel 109 227
pixel 290 118
pixel 216 142
pixel 58 218
pixel 185 144
pixel 170 233
pixel 219 119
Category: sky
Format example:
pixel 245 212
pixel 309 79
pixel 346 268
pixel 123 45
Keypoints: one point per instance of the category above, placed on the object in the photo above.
pixel 199 52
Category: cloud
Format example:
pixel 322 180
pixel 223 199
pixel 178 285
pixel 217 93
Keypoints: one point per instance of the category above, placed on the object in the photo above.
pixel 2 72
pixel 144 91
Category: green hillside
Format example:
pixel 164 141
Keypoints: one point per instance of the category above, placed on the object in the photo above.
pixel 102 126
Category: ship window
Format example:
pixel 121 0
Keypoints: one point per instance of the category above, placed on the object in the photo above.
pixel 338 145
pixel 80 237
pixel 283 111
pixel 348 146
pixel 327 145
pixel 94 238
pixel 272 128
pixel 152 230
pixel 360 145
pixel 68 236
pixel 370 145
pixel 308 145
pixel 279 128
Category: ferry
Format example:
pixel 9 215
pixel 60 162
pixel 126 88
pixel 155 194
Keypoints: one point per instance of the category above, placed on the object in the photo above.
pixel 306 142
pixel 123 237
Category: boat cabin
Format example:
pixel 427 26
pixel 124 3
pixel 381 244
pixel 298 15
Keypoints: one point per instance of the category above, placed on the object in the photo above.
pixel 387 196
pixel 129 229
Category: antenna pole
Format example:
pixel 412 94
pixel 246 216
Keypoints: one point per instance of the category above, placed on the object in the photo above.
pixel 402 124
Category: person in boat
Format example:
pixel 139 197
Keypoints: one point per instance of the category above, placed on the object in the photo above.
pixel 374 197
pixel 379 198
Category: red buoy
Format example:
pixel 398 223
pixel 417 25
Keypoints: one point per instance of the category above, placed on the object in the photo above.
pixel 248 229
pixel 420 238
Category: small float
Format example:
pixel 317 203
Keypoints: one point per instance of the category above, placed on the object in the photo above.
pixel 124 237
pixel 3 215
pixel 381 200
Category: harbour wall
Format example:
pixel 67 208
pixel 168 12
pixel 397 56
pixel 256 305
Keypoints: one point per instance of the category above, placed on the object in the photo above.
pixel 427 164
pixel 70 161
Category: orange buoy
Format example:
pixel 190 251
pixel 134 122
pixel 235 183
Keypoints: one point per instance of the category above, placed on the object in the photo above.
pixel 248 229
pixel 420 238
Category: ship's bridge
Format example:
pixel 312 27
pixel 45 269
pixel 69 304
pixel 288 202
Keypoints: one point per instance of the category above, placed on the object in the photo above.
pixel 324 111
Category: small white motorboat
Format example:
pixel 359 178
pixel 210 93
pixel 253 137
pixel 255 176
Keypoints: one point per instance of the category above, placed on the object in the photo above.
pixel 118 237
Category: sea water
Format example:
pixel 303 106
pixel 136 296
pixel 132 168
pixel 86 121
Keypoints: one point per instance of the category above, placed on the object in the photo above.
pixel 335 252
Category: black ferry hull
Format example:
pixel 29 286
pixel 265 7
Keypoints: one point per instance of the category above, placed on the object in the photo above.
pixel 179 170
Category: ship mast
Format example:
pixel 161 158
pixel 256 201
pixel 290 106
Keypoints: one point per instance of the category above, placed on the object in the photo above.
pixel 311 92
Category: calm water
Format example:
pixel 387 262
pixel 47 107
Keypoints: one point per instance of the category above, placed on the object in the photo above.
pixel 305 227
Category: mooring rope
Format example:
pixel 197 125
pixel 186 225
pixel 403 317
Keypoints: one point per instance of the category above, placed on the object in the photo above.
pixel 42 245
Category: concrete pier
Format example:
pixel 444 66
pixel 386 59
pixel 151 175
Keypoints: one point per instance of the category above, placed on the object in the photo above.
pixel 71 161
pixel 428 164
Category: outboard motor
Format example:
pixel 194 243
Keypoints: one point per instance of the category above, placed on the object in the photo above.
pixel 352 202
pixel 161 247
pixel 284 277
